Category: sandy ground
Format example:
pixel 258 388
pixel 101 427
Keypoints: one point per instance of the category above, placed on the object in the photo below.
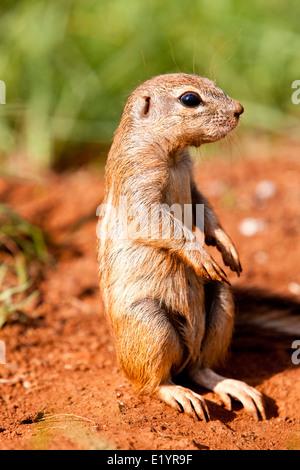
pixel 61 387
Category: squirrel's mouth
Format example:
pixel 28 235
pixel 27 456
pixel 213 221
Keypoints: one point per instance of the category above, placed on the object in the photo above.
pixel 220 129
pixel 218 135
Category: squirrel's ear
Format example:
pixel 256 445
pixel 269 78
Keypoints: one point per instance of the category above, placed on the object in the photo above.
pixel 147 101
pixel 141 107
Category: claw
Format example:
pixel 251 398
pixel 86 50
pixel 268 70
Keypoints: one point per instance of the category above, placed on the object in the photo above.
pixel 228 251
pixel 251 399
pixel 184 400
pixel 213 271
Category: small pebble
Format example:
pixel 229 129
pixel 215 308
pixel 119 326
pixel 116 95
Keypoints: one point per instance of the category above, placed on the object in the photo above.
pixel 249 227
pixel 265 189
pixel 294 288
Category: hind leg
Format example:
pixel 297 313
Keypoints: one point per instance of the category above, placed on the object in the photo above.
pixel 150 351
pixel 218 331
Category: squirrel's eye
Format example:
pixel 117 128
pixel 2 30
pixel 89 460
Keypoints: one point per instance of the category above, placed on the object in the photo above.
pixel 190 99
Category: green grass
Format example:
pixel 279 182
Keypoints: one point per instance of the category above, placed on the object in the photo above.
pixel 21 245
pixel 51 429
pixel 69 66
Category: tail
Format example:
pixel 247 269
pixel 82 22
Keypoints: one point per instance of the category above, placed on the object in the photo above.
pixel 268 311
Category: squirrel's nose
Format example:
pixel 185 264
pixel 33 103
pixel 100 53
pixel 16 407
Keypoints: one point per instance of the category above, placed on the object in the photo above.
pixel 239 109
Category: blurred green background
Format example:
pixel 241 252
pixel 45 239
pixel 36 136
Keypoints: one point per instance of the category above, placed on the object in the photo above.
pixel 69 65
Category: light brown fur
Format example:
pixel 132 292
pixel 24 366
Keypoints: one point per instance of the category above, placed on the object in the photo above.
pixel 167 300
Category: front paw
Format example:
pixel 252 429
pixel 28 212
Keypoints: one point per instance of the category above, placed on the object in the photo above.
pixel 208 268
pixel 224 244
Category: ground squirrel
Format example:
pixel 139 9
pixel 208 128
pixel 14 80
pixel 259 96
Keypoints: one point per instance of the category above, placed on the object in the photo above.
pixel 168 302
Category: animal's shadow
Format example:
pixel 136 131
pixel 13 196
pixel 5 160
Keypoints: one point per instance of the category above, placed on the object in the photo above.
pixel 266 327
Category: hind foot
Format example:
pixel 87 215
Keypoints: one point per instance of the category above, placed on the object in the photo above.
pixel 251 399
pixel 183 400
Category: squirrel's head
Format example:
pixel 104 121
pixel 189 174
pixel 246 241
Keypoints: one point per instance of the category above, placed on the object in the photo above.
pixel 180 109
